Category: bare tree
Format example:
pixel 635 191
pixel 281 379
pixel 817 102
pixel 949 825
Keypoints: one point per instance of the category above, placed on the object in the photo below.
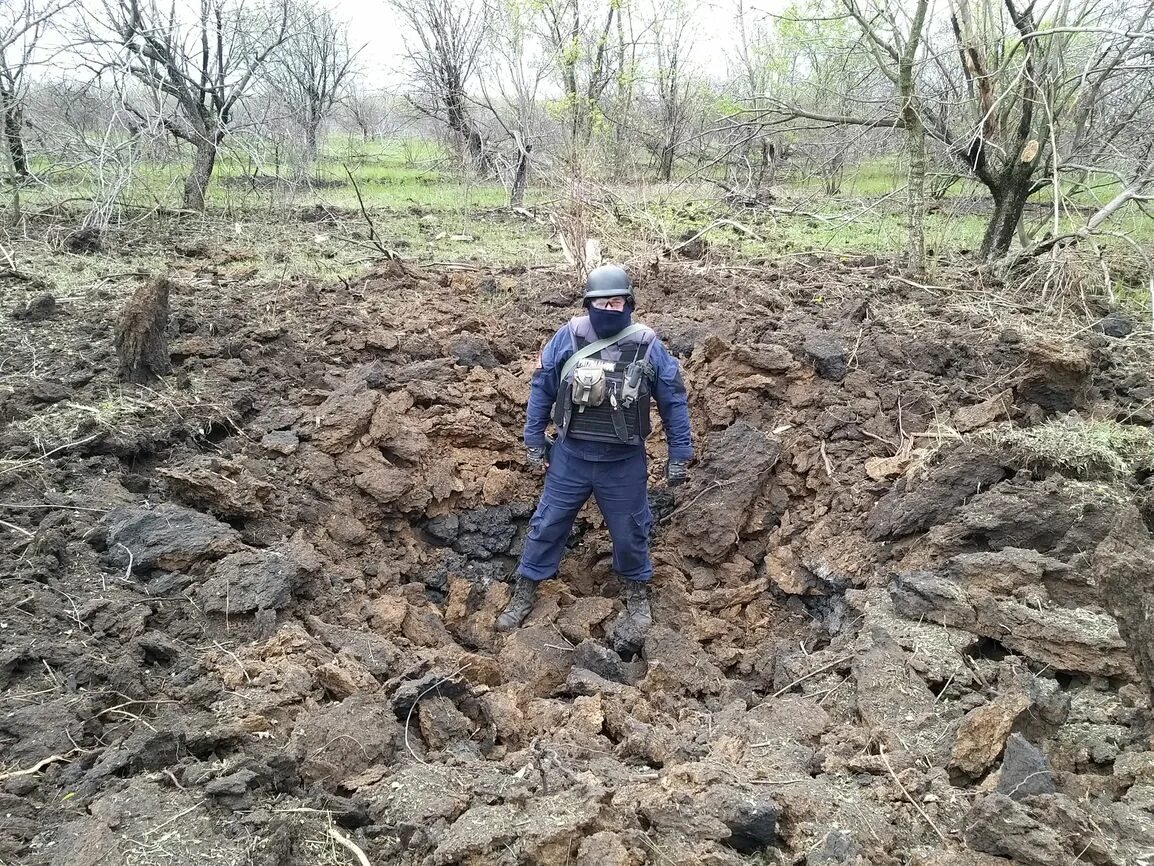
pixel 1026 97
pixel 894 47
pixel 578 34
pixel 310 73
pixel 446 39
pixel 1039 83
pixel 517 68
pixel 752 53
pixel 673 83
pixel 624 92
pixel 370 112
pixel 794 87
pixel 23 23
pixel 196 69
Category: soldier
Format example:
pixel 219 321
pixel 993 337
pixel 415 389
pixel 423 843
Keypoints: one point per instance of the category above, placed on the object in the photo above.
pixel 595 379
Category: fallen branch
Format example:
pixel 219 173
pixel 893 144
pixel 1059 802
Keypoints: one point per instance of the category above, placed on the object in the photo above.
pixel 718 223
pixel 37 767
pixel 376 244
pixel 421 697
pixel 16 528
pixel 825 459
pixel 343 840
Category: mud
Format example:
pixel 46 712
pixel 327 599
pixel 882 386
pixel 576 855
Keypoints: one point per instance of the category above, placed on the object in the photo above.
pixel 249 608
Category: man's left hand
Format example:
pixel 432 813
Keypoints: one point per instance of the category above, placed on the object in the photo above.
pixel 677 472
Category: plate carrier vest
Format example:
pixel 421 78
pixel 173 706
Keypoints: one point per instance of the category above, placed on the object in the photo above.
pixel 621 417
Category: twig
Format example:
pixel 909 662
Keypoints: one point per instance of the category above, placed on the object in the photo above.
pixel 37 767
pixel 49 507
pixel 913 802
pixel 921 285
pixel 25 463
pixel 718 223
pixel 409 715
pixel 16 528
pixel 390 254
pixel 343 840
pixel 131 560
pixel 812 673
pixel 712 486
pixel 170 820
pixel 830 693
pixel 826 461
pixel 119 708
pixel 653 845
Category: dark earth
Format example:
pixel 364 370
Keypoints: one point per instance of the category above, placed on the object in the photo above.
pixel 247 609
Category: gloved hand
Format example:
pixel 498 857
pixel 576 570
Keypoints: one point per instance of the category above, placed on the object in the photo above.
pixel 677 472
pixel 535 457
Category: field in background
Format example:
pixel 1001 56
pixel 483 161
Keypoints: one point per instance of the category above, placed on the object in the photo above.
pixel 311 223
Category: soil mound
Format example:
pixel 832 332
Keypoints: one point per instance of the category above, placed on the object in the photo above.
pixel 248 611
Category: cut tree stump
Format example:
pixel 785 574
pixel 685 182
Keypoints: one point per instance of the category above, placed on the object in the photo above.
pixel 141 333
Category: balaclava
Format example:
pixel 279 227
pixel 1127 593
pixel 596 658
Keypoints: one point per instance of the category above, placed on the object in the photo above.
pixel 607 323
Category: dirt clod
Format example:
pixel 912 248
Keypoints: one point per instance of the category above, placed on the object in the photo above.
pixel 85 241
pixel 38 309
pixel 1025 770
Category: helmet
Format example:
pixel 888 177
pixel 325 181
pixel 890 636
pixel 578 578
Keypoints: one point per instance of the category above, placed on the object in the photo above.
pixel 608 281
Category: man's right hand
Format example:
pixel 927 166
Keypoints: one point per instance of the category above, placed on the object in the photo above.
pixel 535 457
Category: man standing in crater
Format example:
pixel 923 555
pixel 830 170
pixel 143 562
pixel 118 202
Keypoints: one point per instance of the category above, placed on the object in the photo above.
pixel 594 381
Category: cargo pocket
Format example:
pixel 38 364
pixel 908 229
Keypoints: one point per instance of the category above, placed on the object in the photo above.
pixel 632 557
pixel 642 523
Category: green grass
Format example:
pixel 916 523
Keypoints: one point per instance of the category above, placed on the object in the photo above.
pixel 1085 449
pixel 399 173
pixel 430 213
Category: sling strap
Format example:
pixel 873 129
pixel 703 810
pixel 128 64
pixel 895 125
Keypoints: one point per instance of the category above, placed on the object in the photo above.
pixel 594 348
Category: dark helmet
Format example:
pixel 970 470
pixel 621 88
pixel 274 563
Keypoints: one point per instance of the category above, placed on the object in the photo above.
pixel 608 281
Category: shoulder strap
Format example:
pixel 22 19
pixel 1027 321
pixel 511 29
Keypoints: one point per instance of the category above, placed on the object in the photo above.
pixel 595 347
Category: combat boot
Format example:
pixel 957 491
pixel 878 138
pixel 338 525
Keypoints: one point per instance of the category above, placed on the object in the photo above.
pixel 637 603
pixel 521 602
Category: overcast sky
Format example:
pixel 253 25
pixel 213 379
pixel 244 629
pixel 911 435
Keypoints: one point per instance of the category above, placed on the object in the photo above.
pixel 374 23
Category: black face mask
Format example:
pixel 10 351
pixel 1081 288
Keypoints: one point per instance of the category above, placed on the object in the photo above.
pixel 608 323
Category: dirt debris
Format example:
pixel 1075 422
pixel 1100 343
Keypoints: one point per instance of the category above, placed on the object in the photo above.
pixel 242 618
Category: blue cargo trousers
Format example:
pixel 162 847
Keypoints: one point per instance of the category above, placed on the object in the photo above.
pixel 620 488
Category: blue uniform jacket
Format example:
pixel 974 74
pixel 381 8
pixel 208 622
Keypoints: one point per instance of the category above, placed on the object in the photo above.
pixel 668 392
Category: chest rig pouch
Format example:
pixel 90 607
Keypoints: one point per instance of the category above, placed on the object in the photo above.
pixel 588 387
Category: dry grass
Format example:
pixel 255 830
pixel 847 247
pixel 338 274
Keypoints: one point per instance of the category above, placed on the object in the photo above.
pixel 1086 449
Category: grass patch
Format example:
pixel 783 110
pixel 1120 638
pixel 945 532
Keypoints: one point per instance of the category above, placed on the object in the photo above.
pixel 1079 448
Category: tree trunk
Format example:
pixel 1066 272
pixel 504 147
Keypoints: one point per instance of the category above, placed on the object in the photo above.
pixel 196 184
pixel 1009 202
pixel 13 131
pixel 462 126
pixel 762 163
pixel 915 142
pixel 10 168
pixel 665 162
pixel 916 193
pixel 311 131
pixel 521 175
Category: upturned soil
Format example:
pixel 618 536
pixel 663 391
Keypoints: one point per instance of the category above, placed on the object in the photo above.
pixel 247 610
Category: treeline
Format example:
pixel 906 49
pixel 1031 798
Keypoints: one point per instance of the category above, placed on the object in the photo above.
pixel 1023 99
